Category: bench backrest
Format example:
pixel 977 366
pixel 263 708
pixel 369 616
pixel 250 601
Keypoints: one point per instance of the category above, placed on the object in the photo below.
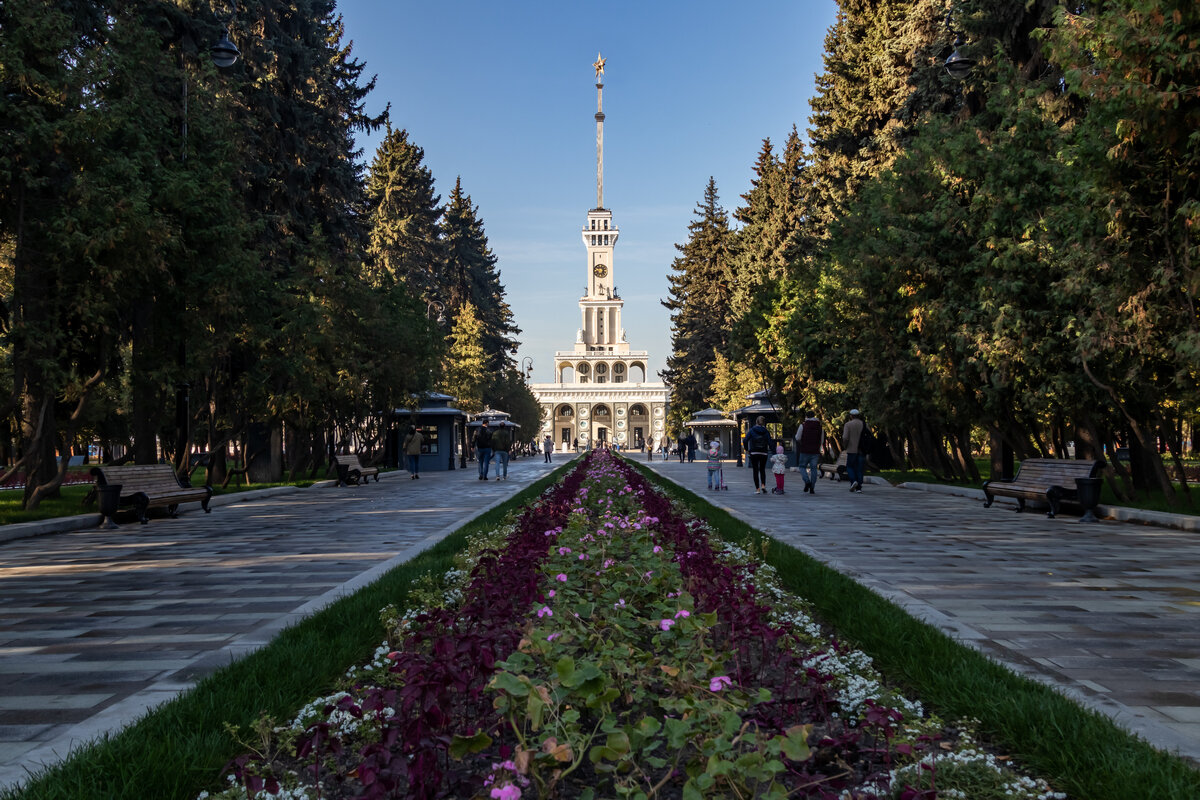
pixel 348 459
pixel 1056 471
pixel 132 478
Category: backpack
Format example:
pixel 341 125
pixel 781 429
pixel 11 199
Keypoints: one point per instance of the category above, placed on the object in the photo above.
pixel 759 442
pixel 866 441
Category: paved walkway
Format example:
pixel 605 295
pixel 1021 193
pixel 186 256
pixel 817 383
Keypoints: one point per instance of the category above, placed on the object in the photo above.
pixel 96 626
pixel 1109 612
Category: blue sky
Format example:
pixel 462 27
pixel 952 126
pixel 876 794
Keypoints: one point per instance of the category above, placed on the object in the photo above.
pixel 503 95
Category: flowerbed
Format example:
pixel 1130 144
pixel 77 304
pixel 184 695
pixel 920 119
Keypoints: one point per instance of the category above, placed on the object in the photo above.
pixel 603 645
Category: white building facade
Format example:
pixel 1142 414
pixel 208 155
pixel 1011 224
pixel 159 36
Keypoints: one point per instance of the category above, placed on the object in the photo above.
pixel 600 392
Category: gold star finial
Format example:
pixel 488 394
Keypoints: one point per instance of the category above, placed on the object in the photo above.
pixel 599 66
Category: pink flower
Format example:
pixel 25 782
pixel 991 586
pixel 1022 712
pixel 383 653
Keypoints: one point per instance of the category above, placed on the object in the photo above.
pixel 506 792
pixel 545 611
pixel 683 612
pixel 551 593
pixel 718 683
pixel 561 577
pixel 562 551
pixel 666 624
pixel 583 556
pixel 657 549
pixel 392 656
pixel 553 636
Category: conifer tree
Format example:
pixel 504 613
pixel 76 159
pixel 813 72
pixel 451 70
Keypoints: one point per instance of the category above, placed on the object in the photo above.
pixel 404 213
pixel 701 290
pixel 468 374
pixel 470 276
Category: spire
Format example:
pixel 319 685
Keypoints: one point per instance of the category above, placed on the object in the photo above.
pixel 599 67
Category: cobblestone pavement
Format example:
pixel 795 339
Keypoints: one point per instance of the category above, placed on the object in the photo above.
pixel 1108 612
pixel 96 626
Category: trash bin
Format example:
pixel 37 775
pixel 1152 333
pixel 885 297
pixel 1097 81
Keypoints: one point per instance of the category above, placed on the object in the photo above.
pixel 110 500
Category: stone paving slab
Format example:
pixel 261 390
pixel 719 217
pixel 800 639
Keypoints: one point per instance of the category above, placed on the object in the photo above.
pixel 98 626
pixel 1105 612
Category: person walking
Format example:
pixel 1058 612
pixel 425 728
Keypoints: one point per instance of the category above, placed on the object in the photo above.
pixel 501 446
pixel 714 465
pixel 853 446
pixel 483 449
pixel 547 448
pixel 412 450
pixel 810 440
pixel 691 446
pixel 758 445
pixel 779 468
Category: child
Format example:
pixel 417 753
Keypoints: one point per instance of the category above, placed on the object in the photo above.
pixel 778 466
pixel 714 466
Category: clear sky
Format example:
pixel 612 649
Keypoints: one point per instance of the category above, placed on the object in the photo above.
pixel 503 95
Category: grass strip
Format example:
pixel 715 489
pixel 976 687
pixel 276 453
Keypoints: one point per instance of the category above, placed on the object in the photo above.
pixel 179 748
pixel 1081 752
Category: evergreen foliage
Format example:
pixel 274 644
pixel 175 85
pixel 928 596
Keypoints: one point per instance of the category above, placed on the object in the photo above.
pixel 468 373
pixel 470 276
pixel 1007 260
pixel 165 224
pixel 702 288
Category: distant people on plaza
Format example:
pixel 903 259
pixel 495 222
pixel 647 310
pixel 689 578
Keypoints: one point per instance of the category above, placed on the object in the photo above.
pixel 547 447
pixel 690 441
pixel 758 445
pixel 810 440
pixel 501 444
pixel 854 445
pixel 412 450
pixel 681 444
pixel 483 449
pixel 575 444
pixel 778 468
pixel 715 477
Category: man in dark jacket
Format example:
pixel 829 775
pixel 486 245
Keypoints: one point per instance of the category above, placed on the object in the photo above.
pixel 501 443
pixel 810 439
pixel 483 449
pixel 759 445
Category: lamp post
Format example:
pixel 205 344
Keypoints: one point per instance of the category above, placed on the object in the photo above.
pixel 224 54
pixel 527 368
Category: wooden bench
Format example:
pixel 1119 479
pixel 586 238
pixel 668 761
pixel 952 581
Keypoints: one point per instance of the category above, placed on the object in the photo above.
pixel 356 472
pixel 146 485
pixel 837 470
pixel 1051 480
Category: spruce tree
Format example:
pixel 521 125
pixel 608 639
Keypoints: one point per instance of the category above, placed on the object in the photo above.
pixel 701 289
pixel 469 275
pixel 404 212
pixel 468 374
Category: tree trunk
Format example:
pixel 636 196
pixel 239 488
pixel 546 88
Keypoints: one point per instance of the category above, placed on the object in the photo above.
pixel 143 393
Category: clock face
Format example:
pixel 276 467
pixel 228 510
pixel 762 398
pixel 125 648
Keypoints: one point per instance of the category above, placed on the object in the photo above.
pixel 599 270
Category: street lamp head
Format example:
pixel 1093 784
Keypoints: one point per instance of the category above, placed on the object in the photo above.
pixel 959 65
pixel 225 53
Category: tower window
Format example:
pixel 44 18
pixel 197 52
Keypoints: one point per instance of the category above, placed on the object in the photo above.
pixel 593 224
pixel 606 241
pixel 605 224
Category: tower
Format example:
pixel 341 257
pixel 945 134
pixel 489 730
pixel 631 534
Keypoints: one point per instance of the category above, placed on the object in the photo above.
pixel 600 307
pixel 600 392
